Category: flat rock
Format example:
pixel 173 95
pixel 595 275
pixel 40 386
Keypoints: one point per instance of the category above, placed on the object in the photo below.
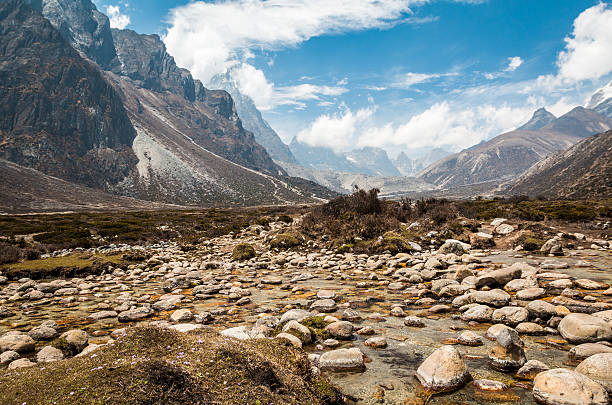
pixel 342 360
pixel 585 350
pixel 561 386
pixel 584 328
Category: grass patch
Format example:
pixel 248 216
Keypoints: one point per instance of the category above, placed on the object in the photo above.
pixel 155 366
pixel 66 266
pixel 243 251
pixel 286 240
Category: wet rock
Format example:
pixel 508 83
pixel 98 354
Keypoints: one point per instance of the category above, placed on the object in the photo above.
pixel 134 314
pixel 469 338
pixel 585 350
pixel 498 277
pixel 42 333
pixel 490 385
pixel 584 328
pixel 365 331
pixel 326 305
pixel 478 313
pixel 508 353
pixel 167 302
pixel 510 315
pixel 561 283
pixel 443 370
pixel 530 294
pixel 553 247
pixel 529 328
pixel 5 312
pixel 272 280
pixel 531 369
pixel 96 316
pixel 598 368
pixel 414 321
pixel 48 354
pixel 342 360
pixel 340 329
pixel 560 386
pixel 541 309
pixel 297 329
pixel 17 342
pixel 377 342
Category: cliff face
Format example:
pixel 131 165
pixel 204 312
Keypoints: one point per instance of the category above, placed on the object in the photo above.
pixel 58 115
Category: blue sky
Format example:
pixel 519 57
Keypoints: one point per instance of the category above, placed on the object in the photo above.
pixel 403 75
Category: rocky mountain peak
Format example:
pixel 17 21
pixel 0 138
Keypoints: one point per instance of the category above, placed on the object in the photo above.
pixel 601 101
pixel 540 118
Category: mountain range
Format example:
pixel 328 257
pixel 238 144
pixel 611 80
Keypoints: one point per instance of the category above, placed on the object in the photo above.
pixel 110 110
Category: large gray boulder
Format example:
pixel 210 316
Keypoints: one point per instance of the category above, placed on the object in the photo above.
pixel 598 368
pixel 17 342
pixel 584 328
pixel 443 370
pixel 561 386
pixel 342 360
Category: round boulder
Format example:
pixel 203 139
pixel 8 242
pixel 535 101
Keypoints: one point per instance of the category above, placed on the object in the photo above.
pixel 444 370
pixel 561 386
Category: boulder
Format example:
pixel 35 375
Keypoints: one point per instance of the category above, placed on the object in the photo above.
pixel 342 360
pixel 498 277
pixel 300 331
pixel 17 342
pixel 510 315
pixel 585 350
pixel 478 313
pixel 340 329
pixel 531 369
pixel 508 353
pixel 454 246
pixel 584 328
pixel 444 370
pixel 598 368
pixel 76 339
pixel 561 386
pixel 48 354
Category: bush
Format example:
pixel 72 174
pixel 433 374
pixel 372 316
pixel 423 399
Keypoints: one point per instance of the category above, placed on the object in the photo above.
pixel 393 243
pixel 285 218
pixel 9 254
pixel 243 251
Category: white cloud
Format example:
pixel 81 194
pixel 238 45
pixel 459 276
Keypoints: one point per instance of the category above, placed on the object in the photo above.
pixel 409 79
pixel 266 96
pixel 117 20
pixel 514 63
pixel 588 53
pixel 335 131
pixel 207 38
pixel 375 88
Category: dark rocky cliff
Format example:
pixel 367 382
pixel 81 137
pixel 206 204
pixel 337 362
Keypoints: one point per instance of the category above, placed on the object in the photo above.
pixel 57 113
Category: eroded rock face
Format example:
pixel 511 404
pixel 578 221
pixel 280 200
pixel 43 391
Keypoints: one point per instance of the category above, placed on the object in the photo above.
pixel 565 387
pixel 584 328
pixel 443 370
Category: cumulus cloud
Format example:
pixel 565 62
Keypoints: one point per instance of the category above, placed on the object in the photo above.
pixel 335 131
pixel 208 38
pixel 117 19
pixel 588 53
pixel 514 63
pixel 253 83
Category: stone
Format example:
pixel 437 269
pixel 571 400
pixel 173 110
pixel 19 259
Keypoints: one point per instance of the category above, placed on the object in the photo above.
pixel 444 370
pixel 587 284
pixel 530 294
pixel 397 312
pixel 16 342
pixel 498 277
pixel 365 331
pixel 185 327
pixel 478 313
pixel 561 386
pixel 96 316
pixel 531 369
pixel 167 303
pixel 300 331
pixel 326 305
pixel 584 328
pixel 529 328
pixel 414 321
pixel 340 330
pixel 496 297
pixel 521 284
pixel 585 350
pixel 76 339
pixel 326 294
pixel 20 363
pixel 48 354
pixel 134 314
pixel 552 246
pixel 376 342
pixel 508 353
pixel 455 247
pixel 295 314
pixel 42 333
pixel 8 356
pixel 469 338
pixel 598 368
pixel 294 340
pixel 490 385
pixel 510 315
pixel 541 309
pixel 342 360
pixel 272 280
pixel 181 316
pixel 238 332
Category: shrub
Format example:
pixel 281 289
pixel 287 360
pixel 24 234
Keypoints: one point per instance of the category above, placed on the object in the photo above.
pixel 393 243
pixel 9 254
pixel 285 241
pixel 285 218
pixel 243 251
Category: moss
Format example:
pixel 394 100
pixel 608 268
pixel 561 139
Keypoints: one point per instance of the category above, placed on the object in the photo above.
pixel 394 243
pixel 530 242
pixel 285 218
pixel 317 325
pixel 66 266
pixel 286 240
pixel 156 366
pixel 243 251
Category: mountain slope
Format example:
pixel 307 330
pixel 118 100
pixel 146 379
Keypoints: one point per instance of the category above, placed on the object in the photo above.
pixel 253 121
pixel 601 101
pixel 582 171
pixel 508 155
pixel 372 160
pixel 541 117
pixel 57 113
